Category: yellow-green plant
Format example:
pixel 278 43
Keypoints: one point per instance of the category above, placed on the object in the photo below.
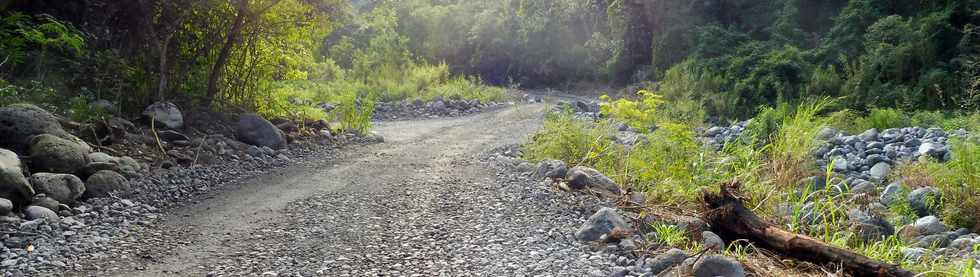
pixel 638 114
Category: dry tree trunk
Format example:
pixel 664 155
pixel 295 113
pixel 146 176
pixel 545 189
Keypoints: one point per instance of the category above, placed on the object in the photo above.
pixel 732 221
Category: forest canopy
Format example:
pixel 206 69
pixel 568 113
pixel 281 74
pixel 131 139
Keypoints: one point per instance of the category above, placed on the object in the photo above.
pixel 276 55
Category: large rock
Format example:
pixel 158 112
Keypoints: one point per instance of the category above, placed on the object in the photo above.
pixel 255 130
pixel 602 223
pixel 64 188
pixel 552 169
pixel 19 122
pixel 166 114
pixel 13 184
pixel 715 265
pixel 104 182
pixel 581 177
pixel 57 155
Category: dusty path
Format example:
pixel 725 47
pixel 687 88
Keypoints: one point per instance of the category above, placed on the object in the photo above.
pixel 418 204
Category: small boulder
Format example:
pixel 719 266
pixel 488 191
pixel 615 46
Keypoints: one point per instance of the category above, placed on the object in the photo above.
pixel 38 212
pixel 923 200
pixel 913 254
pixel 13 184
pixel 57 155
pixel 165 113
pixel 667 260
pixel 255 130
pixel 880 171
pixel 891 193
pixel 869 135
pixel 20 122
pixel 6 206
pixel 868 227
pixel 603 222
pixel 552 169
pixel 42 200
pixel 929 225
pixel 64 188
pixel 716 265
pixel 104 182
pixel 712 241
pixel 581 177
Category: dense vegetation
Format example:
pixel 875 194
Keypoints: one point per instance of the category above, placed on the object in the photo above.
pixel 901 54
pixel 276 57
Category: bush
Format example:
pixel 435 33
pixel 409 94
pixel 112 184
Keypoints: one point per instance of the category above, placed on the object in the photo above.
pixel 885 118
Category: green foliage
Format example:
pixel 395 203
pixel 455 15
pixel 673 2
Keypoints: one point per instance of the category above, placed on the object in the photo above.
pixel 354 108
pixel 670 235
pixel 20 34
pixel 885 118
pixel 572 140
pixel 638 114
pixel 79 110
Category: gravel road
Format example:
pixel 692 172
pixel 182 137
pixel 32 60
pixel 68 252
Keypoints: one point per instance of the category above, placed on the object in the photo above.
pixel 419 204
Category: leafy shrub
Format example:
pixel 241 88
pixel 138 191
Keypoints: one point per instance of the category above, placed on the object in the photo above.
pixel 575 141
pixel 638 114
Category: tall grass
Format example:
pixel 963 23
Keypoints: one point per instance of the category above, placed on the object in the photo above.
pixel 791 148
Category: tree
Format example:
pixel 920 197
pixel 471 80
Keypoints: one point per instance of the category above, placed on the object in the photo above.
pixel 243 14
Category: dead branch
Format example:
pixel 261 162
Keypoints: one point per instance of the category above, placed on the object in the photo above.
pixel 729 218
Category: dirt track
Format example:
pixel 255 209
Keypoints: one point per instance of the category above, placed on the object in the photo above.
pixel 418 204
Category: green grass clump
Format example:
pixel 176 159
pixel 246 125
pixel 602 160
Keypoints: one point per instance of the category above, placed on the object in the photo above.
pixel 572 140
pixel 884 119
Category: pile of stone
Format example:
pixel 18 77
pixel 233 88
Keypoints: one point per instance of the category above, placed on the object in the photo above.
pixel 433 109
pixel 871 155
pixel 717 136
pixel 57 168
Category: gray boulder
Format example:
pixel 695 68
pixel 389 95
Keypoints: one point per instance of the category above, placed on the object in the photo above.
pixel 64 188
pixel 880 171
pixel 13 184
pixel 255 130
pixel 6 206
pixel 712 241
pixel 19 122
pixel 869 135
pixel 913 253
pixel 923 200
pixel 933 150
pixel 42 200
pixel 667 260
pixel 715 265
pixel 38 212
pixel 57 155
pixel 601 223
pixel 891 193
pixel 104 182
pixel 929 225
pixel 581 177
pixel 869 227
pixel 165 113
pixel 552 169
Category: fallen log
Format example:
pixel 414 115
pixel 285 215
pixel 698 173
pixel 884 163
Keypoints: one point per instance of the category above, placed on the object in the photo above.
pixel 729 219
